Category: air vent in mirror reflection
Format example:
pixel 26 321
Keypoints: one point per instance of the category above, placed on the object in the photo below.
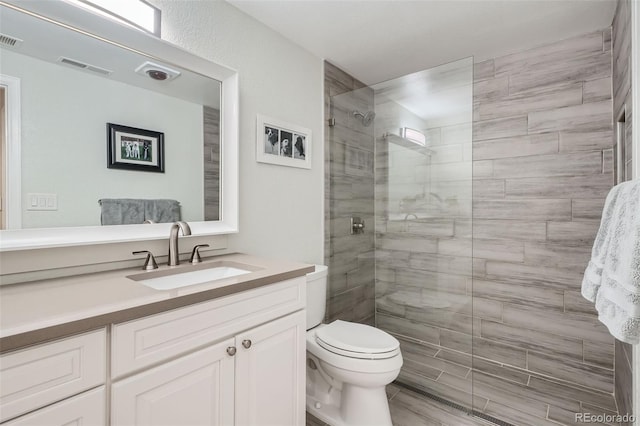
pixel 6 40
pixel 88 67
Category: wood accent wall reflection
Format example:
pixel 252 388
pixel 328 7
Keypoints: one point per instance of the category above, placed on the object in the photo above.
pixel 622 106
pixel 211 158
pixel 349 190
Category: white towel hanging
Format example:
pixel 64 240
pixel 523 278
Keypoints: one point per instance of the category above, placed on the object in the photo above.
pixel 612 278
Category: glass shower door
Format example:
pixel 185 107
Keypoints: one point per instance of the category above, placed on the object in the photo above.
pixel 423 204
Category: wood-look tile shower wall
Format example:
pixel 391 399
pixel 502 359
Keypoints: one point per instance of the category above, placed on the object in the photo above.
pixel 556 177
pixel 349 191
pixel 542 166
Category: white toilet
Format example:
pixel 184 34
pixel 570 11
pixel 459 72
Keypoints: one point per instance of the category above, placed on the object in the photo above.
pixel 348 364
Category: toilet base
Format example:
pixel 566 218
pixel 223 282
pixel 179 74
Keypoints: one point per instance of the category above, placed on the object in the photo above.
pixel 328 413
pixel 365 407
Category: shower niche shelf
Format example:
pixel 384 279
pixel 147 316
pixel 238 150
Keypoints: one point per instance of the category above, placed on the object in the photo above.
pixel 407 143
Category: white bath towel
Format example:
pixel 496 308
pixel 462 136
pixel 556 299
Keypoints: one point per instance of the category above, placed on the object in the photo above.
pixel 612 278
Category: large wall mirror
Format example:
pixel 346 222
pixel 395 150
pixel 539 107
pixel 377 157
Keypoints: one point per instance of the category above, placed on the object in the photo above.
pixel 105 127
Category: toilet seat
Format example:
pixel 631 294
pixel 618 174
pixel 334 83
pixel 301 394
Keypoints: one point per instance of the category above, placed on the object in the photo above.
pixel 355 340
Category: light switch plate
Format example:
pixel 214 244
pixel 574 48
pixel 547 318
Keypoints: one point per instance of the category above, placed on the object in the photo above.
pixel 42 202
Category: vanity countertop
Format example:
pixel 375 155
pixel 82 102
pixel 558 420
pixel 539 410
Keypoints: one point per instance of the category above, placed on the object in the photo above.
pixel 43 310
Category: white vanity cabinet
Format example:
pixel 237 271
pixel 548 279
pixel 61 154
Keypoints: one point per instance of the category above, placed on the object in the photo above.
pixel 237 360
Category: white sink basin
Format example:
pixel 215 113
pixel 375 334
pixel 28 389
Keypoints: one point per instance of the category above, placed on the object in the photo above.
pixel 186 276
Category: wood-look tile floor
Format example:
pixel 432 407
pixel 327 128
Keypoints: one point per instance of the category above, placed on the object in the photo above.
pixel 412 409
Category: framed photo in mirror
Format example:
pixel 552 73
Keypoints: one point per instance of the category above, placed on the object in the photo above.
pixel 131 148
pixel 282 143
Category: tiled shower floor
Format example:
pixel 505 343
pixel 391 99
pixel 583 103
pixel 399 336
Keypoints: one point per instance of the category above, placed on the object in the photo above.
pixel 411 409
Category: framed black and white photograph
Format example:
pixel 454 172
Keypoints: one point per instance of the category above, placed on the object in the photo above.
pixel 299 146
pixel 282 143
pixel 271 140
pixel 131 148
pixel 285 144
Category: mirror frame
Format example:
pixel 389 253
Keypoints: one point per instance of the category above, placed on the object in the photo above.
pixel 110 31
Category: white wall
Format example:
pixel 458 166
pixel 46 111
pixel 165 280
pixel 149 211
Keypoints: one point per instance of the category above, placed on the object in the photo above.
pixel 281 211
pixel 64 143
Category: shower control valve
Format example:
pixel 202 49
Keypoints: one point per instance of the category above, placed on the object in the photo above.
pixel 357 225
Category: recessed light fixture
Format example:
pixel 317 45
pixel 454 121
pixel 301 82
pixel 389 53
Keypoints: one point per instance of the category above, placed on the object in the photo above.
pixel 157 75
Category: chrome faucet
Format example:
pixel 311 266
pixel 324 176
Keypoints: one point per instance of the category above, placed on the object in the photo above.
pixel 173 241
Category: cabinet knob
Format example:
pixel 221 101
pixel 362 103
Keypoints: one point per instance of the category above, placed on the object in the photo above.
pixel 246 344
pixel 231 350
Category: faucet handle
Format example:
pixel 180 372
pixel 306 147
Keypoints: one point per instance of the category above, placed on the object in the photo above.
pixel 149 264
pixel 195 254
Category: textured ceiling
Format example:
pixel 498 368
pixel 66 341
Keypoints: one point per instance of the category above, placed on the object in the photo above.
pixel 376 40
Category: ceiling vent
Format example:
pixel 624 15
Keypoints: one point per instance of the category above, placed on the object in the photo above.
pixel 84 66
pixel 6 40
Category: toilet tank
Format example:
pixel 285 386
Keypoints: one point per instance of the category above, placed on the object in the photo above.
pixel 316 295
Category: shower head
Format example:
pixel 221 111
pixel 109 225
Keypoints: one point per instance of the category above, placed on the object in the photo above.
pixel 366 117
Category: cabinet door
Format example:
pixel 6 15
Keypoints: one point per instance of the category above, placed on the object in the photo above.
pixel 196 389
pixel 84 409
pixel 270 373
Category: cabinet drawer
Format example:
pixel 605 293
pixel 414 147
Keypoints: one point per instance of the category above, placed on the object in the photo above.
pixel 144 342
pixel 85 409
pixel 40 375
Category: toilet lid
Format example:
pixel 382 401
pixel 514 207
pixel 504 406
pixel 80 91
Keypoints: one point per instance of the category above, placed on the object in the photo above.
pixel 357 340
